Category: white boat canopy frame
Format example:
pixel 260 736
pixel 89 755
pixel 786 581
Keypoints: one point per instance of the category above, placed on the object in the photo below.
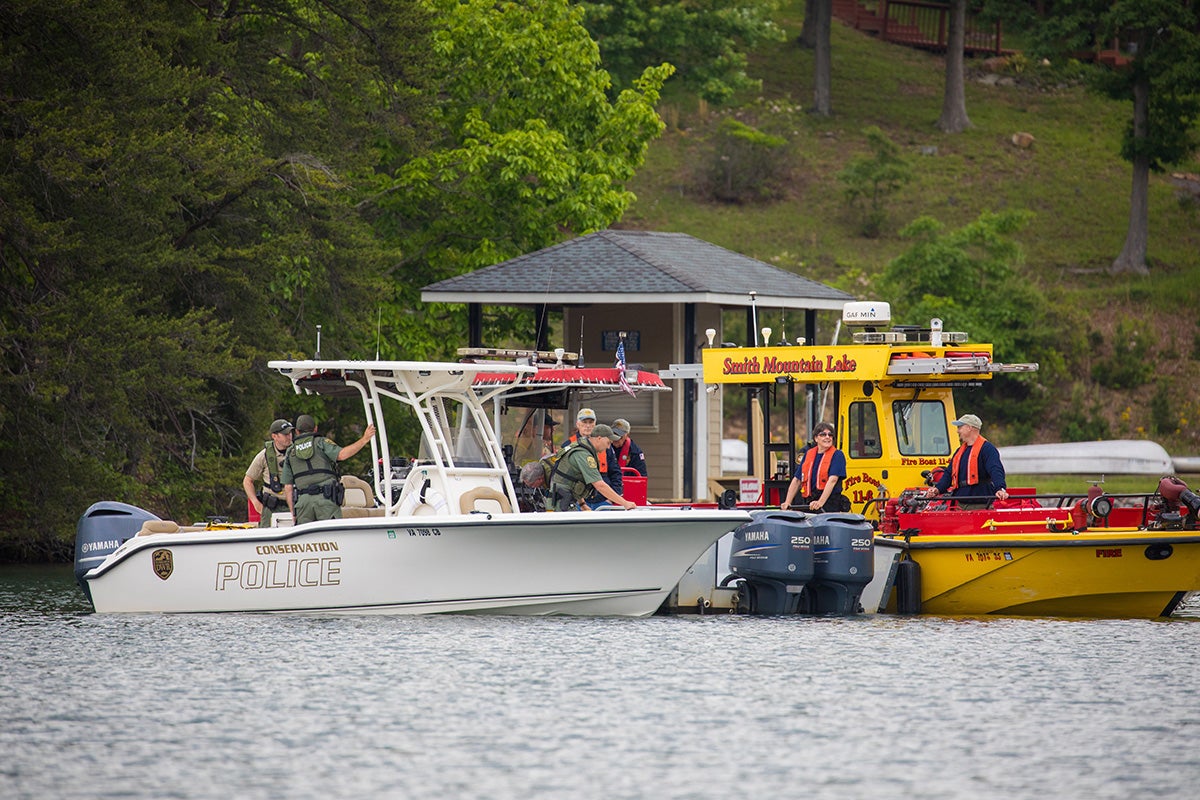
pixel 459 451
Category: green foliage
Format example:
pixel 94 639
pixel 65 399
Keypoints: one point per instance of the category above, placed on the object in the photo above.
pixel 970 279
pixel 529 150
pixel 707 41
pixel 871 181
pixel 1083 419
pixel 745 165
pixel 1130 361
pixel 181 203
pixel 1162 420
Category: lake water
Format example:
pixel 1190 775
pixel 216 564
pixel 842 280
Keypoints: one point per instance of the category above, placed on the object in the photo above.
pixel 256 706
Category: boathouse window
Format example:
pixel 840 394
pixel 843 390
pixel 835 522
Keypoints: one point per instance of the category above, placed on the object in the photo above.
pixel 921 428
pixel 863 438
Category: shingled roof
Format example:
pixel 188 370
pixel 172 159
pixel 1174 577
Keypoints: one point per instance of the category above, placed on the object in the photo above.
pixel 614 266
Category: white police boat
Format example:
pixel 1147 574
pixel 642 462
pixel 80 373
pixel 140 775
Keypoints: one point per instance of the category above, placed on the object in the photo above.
pixel 446 536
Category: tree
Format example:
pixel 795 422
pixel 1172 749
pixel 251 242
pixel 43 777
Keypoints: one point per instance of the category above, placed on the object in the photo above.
pixel 705 41
pixel 823 58
pixel 529 150
pixel 178 203
pixel 871 180
pixel 1161 39
pixel 970 279
pixel 954 102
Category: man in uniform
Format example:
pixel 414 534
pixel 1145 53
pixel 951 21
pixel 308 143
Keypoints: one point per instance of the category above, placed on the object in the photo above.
pixel 267 467
pixel 577 474
pixel 606 457
pixel 975 469
pixel 627 450
pixel 310 472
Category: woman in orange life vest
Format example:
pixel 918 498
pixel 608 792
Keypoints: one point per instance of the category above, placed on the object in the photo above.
pixel 819 473
pixel 975 469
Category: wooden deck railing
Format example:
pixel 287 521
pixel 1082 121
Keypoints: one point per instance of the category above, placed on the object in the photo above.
pixel 917 24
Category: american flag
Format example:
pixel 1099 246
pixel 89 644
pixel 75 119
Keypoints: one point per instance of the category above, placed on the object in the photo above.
pixel 621 369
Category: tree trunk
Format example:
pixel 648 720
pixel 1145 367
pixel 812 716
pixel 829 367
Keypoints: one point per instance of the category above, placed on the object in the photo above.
pixel 822 68
pixel 954 103
pixel 1133 255
pixel 808 33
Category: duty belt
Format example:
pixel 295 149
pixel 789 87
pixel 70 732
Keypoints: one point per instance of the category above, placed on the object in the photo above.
pixel 318 489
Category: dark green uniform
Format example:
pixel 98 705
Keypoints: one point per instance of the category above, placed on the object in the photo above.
pixel 575 473
pixel 311 467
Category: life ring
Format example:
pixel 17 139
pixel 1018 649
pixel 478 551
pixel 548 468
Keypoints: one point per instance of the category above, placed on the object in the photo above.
pixel 427 495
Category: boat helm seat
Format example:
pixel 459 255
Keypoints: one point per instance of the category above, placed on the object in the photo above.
pixel 470 500
pixel 359 499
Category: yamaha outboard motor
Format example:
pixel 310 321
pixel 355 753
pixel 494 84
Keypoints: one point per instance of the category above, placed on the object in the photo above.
pixel 843 562
pixel 773 554
pixel 103 528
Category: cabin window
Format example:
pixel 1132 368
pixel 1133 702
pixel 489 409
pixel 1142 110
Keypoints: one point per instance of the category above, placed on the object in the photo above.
pixel 921 428
pixel 863 439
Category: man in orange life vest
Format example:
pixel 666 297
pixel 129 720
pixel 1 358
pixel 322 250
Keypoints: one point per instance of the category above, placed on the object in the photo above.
pixel 975 469
pixel 819 474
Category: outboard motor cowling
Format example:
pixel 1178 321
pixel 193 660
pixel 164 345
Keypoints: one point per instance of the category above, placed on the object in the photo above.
pixel 773 554
pixel 103 528
pixel 843 562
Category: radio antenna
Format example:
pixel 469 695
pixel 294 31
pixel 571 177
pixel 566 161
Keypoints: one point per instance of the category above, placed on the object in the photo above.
pixel 378 327
pixel 581 319
pixel 318 353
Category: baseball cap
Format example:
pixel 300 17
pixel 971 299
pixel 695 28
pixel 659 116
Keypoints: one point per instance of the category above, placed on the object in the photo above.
pixel 606 432
pixel 585 413
pixel 621 427
pixel 281 426
pixel 968 419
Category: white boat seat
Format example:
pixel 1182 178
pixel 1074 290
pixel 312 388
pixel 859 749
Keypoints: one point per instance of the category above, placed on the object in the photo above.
pixel 470 500
pixel 359 499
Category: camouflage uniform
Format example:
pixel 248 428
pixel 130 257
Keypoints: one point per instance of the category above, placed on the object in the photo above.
pixel 577 470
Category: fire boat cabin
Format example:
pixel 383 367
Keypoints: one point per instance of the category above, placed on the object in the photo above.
pixel 890 395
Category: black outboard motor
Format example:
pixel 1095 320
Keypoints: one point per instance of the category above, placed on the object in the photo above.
pixel 773 554
pixel 843 563
pixel 103 528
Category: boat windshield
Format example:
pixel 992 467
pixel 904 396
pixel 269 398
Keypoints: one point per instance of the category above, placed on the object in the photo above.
pixel 921 427
pixel 456 437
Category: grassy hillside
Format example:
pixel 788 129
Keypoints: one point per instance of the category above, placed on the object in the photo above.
pixel 1072 178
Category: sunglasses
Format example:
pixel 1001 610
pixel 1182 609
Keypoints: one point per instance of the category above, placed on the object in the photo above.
pixel 825 433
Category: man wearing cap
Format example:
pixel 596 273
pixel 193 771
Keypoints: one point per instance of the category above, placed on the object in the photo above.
pixel 267 468
pixel 975 469
pixel 628 453
pixel 578 473
pixel 310 479
pixel 606 457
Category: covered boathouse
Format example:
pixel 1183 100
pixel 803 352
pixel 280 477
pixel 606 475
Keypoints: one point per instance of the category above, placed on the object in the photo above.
pixel 663 291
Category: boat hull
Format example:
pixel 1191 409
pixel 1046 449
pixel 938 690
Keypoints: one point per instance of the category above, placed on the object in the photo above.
pixel 1110 574
pixel 602 563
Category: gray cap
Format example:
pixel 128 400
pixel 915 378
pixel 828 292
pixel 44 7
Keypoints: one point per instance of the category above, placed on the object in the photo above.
pixel 606 432
pixel 305 423
pixel 621 426
pixel 968 419
pixel 281 426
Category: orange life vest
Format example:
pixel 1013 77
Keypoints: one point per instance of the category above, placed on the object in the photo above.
pixel 601 456
pixel 972 464
pixel 806 467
